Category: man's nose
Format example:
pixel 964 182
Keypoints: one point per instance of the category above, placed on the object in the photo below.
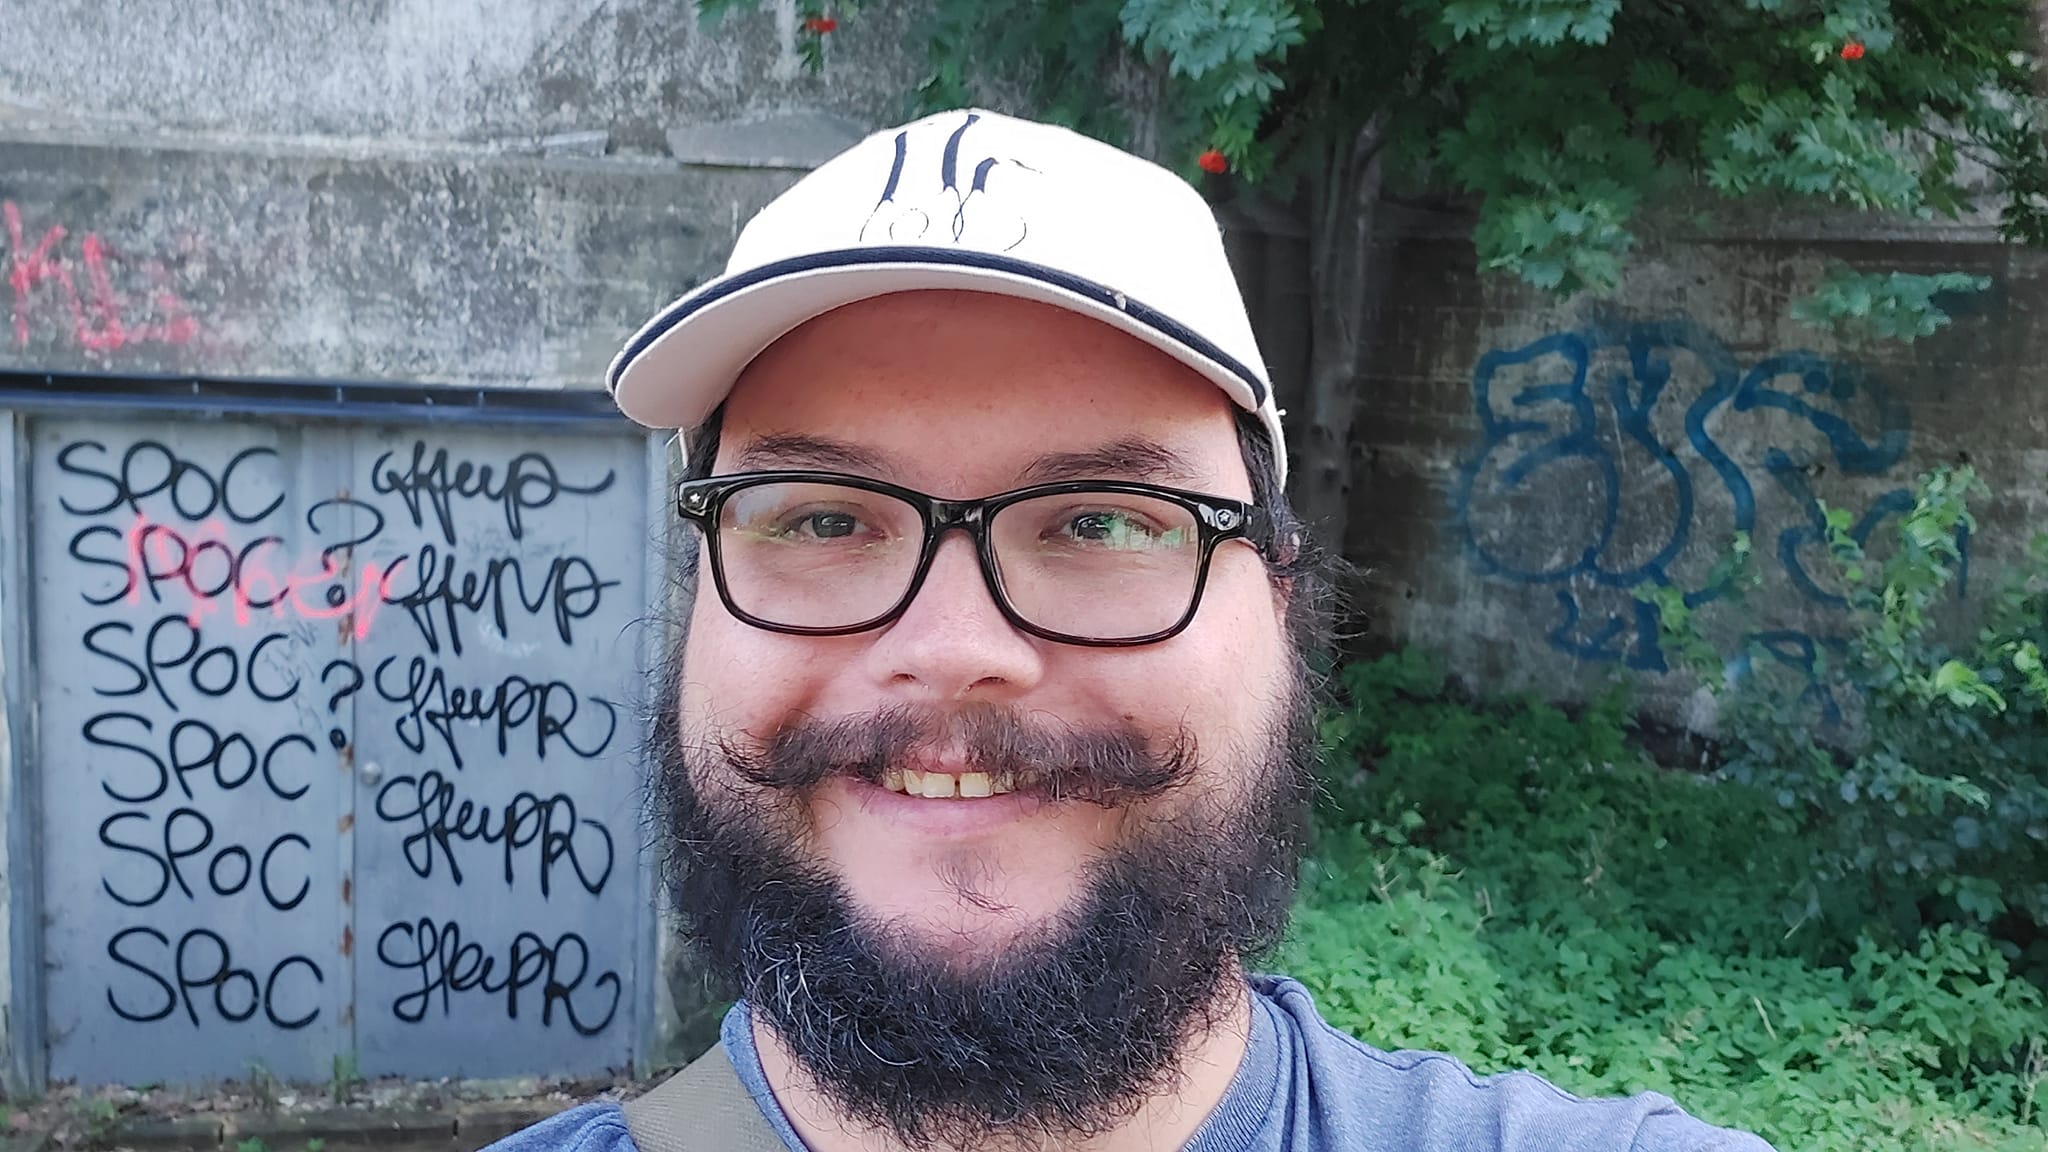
pixel 953 642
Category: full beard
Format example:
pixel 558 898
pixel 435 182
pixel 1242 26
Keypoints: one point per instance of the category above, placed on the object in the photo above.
pixel 1076 1022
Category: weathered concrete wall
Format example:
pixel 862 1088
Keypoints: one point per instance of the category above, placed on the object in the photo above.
pixel 470 193
pixel 450 267
pixel 1524 462
pixel 468 70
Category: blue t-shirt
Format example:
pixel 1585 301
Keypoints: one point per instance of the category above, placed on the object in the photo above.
pixel 1303 1087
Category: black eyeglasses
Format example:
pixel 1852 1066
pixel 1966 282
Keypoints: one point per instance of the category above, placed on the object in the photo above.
pixel 1095 562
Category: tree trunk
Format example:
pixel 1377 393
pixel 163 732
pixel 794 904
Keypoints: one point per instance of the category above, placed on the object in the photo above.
pixel 1343 200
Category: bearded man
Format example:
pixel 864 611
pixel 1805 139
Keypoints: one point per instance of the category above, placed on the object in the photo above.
pixel 991 744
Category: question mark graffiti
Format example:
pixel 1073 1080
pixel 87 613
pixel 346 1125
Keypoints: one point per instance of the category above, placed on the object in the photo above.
pixel 335 736
pixel 327 553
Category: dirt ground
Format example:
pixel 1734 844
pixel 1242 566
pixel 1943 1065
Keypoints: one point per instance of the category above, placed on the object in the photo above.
pixel 266 1116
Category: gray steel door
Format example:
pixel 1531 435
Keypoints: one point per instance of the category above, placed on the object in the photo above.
pixel 335 747
pixel 497 841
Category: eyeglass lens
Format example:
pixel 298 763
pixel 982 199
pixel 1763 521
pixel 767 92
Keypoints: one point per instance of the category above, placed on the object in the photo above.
pixel 1096 565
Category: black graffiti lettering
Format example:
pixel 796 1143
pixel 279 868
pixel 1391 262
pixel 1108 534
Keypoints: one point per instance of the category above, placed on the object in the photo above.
pixel 529 482
pixel 514 702
pixel 92 645
pixel 221 685
pixel 362 535
pixel 174 855
pixel 208 750
pixel 443 592
pixel 270 993
pixel 149 468
pixel 92 735
pixel 548 823
pixel 65 464
pixel 288 740
pixel 229 888
pixel 194 746
pixel 305 885
pixel 200 963
pixel 186 713
pixel 76 548
pixel 163 870
pixel 227 487
pixel 255 656
pixel 186 835
pixel 447 966
pixel 170 994
pixel 156 664
pixel 174 644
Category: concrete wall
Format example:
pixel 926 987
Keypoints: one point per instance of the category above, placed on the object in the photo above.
pixel 468 193
pixel 1525 461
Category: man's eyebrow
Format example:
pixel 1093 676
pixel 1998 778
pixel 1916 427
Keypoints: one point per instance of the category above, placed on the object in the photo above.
pixel 790 450
pixel 1131 458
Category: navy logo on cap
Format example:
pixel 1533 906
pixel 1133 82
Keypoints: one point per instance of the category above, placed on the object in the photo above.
pixel 921 207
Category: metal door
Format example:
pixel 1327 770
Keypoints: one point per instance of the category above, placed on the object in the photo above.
pixel 335 743
pixel 498 892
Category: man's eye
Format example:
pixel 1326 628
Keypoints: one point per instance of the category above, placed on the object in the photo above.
pixel 823 525
pixel 1113 528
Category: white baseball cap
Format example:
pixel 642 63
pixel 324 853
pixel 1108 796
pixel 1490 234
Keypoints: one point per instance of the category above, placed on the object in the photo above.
pixel 968 200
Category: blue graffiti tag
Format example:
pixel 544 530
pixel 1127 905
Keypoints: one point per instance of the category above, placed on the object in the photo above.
pixel 1605 452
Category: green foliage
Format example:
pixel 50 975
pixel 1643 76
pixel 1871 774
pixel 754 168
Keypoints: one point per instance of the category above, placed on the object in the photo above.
pixel 1932 793
pixel 1525 889
pixel 345 1077
pixel 1560 119
pixel 1891 306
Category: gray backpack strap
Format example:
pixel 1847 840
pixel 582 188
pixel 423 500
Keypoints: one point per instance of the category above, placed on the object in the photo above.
pixel 703 1108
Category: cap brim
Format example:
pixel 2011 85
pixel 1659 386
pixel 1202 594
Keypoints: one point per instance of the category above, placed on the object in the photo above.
pixel 682 363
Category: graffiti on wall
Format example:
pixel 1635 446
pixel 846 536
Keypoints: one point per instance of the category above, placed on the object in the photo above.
pixel 240 661
pixel 96 295
pixel 1616 455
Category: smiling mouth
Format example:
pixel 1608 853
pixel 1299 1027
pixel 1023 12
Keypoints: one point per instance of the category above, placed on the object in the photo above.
pixel 949 785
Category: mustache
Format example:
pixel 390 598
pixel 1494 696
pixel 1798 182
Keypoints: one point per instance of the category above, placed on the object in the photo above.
pixel 1107 765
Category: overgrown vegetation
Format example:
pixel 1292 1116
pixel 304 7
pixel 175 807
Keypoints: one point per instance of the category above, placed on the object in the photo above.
pixel 1912 764
pixel 1527 889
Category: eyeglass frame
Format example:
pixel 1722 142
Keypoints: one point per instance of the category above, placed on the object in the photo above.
pixel 1217 519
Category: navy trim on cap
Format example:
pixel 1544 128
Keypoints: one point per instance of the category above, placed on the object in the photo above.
pixel 914 254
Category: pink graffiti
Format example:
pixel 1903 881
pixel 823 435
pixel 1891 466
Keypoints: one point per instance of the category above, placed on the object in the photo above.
pixel 218 575
pixel 97 311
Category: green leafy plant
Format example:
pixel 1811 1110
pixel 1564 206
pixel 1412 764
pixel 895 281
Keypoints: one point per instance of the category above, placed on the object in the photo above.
pixel 1929 797
pixel 344 1078
pixel 252 1144
pixel 98 1119
pixel 1892 306
pixel 263 1086
pixel 1524 887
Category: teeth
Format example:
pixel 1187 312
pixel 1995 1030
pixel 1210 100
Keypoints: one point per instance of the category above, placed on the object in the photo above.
pixel 945 785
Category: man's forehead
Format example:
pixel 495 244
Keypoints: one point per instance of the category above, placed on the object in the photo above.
pixel 1129 456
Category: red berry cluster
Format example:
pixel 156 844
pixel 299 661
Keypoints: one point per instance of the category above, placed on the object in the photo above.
pixel 1212 162
pixel 820 24
pixel 1853 50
